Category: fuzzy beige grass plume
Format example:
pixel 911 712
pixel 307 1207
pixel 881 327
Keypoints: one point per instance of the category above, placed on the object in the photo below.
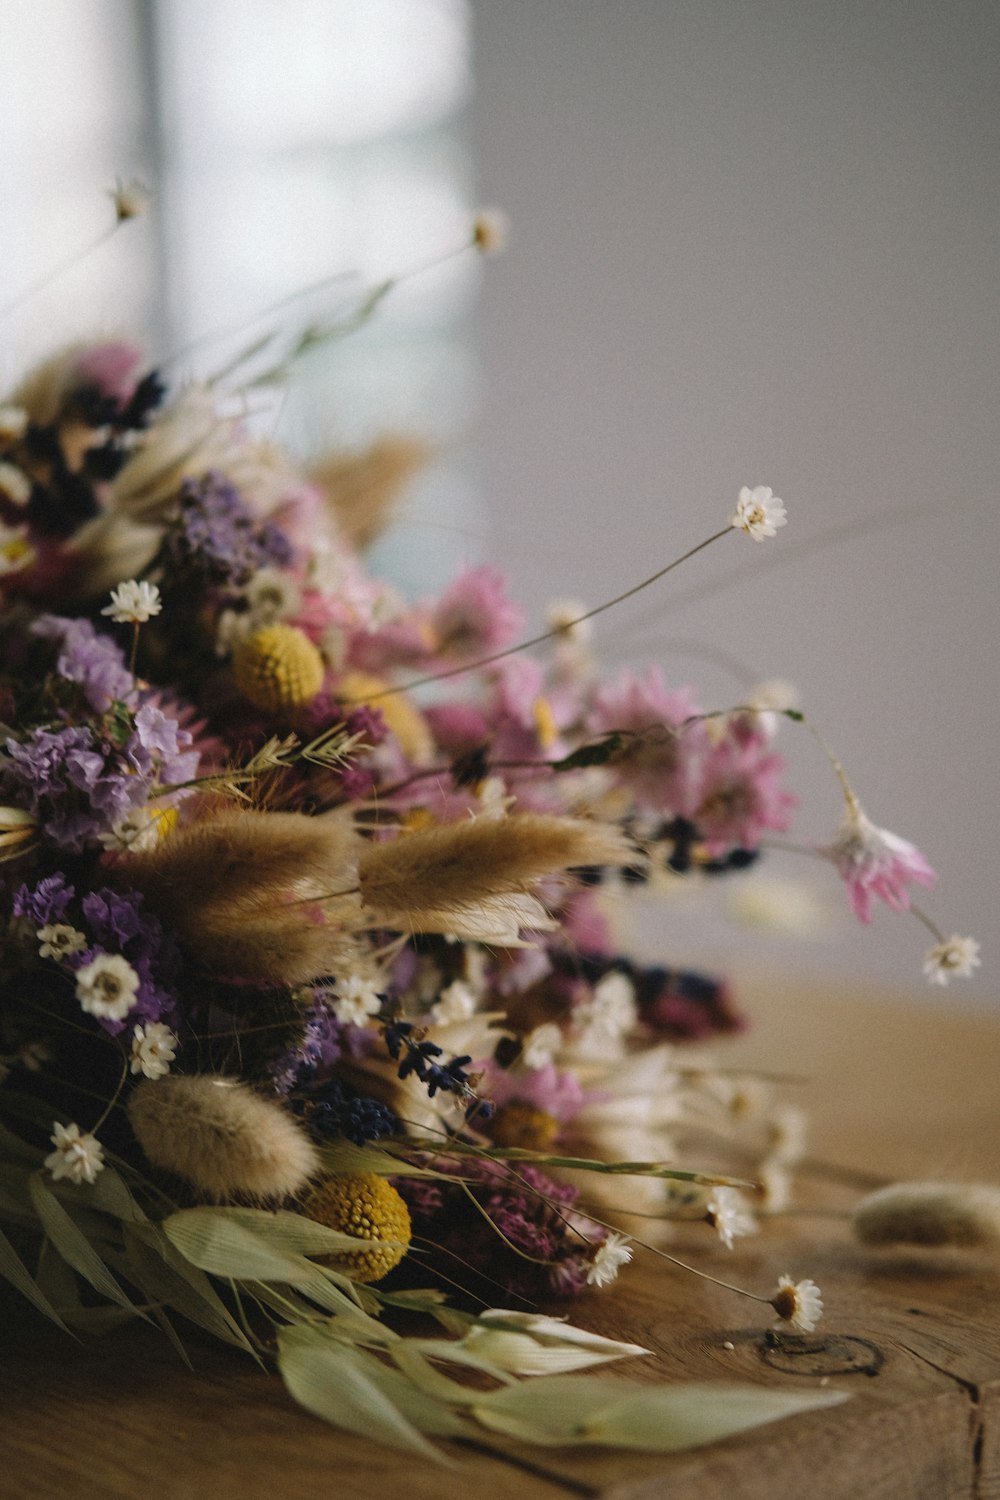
pixel 221 1137
pixel 363 489
pixel 930 1213
pixel 435 879
pixel 248 893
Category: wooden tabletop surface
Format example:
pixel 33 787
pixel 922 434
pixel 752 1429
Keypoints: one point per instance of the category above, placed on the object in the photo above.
pixel 895 1090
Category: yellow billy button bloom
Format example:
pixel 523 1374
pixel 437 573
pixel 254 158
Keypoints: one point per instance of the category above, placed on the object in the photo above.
pixel 370 1208
pixel 278 667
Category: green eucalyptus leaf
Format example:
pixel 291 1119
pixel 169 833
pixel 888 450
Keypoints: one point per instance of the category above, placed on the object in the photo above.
pixel 573 1411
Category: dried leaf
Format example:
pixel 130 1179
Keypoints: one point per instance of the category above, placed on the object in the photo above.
pixel 568 1410
pixel 73 1245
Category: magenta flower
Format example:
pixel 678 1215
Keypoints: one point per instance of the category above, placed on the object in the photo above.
pixel 876 863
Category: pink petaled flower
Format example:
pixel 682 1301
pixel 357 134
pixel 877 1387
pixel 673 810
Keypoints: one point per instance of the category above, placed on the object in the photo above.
pixel 475 616
pixel 741 796
pixel 661 767
pixel 874 862
pixel 113 368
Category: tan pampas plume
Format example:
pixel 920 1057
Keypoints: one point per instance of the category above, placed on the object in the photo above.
pixel 363 489
pixel 435 879
pixel 253 894
pixel 931 1213
pixel 221 1137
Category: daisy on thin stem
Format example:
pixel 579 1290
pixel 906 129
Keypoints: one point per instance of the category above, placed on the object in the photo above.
pixel 130 200
pixel 133 603
pixel 758 526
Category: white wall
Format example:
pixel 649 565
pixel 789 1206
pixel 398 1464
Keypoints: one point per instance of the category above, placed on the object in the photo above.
pixel 755 241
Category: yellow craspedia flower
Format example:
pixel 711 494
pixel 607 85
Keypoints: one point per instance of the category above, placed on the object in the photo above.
pixel 278 667
pixel 524 1126
pixel 401 718
pixel 368 1206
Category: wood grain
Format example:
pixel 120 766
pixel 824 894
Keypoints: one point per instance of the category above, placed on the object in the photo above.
pixel 915 1339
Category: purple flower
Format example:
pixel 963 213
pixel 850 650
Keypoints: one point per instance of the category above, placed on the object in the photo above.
pixel 45 904
pixel 157 747
pixel 319 1047
pixel 76 787
pixel 217 535
pixel 88 658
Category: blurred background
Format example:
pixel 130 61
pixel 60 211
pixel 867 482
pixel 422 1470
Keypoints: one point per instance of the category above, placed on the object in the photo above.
pixel 752 242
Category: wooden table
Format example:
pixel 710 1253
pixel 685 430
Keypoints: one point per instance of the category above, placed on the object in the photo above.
pixel 899 1090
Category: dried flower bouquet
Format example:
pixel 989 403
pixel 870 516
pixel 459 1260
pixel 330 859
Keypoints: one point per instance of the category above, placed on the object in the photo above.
pixel 310 1008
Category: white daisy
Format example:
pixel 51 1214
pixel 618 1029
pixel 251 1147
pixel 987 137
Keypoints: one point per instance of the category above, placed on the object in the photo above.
pixel 356 1001
pixel 798 1303
pixel 456 1003
pixel 107 987
pixel 133 603
pixel 154 1048
pixel 729 1216
pixel 15 485
pixel 58 940
pixel 759 512
pixel 78 1157
pixel 540 1046
pixel 954 958
pixel 615 1252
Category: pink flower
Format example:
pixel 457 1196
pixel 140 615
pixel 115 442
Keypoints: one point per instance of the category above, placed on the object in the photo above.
pixel 660 767
pixel 112 368
pixel 741 796
pixel 474 617
pixel 874 862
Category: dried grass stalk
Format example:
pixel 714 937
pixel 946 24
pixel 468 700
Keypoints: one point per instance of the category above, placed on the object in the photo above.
pixel 363 489
pixel 248 893
pixel 455 868
pixel 222 1138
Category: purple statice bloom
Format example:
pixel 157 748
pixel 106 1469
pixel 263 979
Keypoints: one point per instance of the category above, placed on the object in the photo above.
pixel 75 787
pixel 90 659
pixel 117 922
pixel 217 534
pixel 159 748
pixel 46 903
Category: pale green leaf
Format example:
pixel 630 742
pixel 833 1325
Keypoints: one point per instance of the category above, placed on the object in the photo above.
pixel 568 1410
pixel 343 1157
pixel 217 1241
pixel 13 1269
pixel 332 1381
pixel 152 1262
pixel 294 1232
pixel 72 1244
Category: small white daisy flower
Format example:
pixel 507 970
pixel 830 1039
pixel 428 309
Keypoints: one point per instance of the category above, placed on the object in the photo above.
pixel 564 615
pixel 139 831
pixel 798 1303
pixel 154 1047
pixel 272 596
pixel 729 1216
pixel 133 603
pixel 955 958
pixel 78 1157
pixel 759 512
pixel 58 940
pixel 107 987
pixel 615 1252
pixel 356 1001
